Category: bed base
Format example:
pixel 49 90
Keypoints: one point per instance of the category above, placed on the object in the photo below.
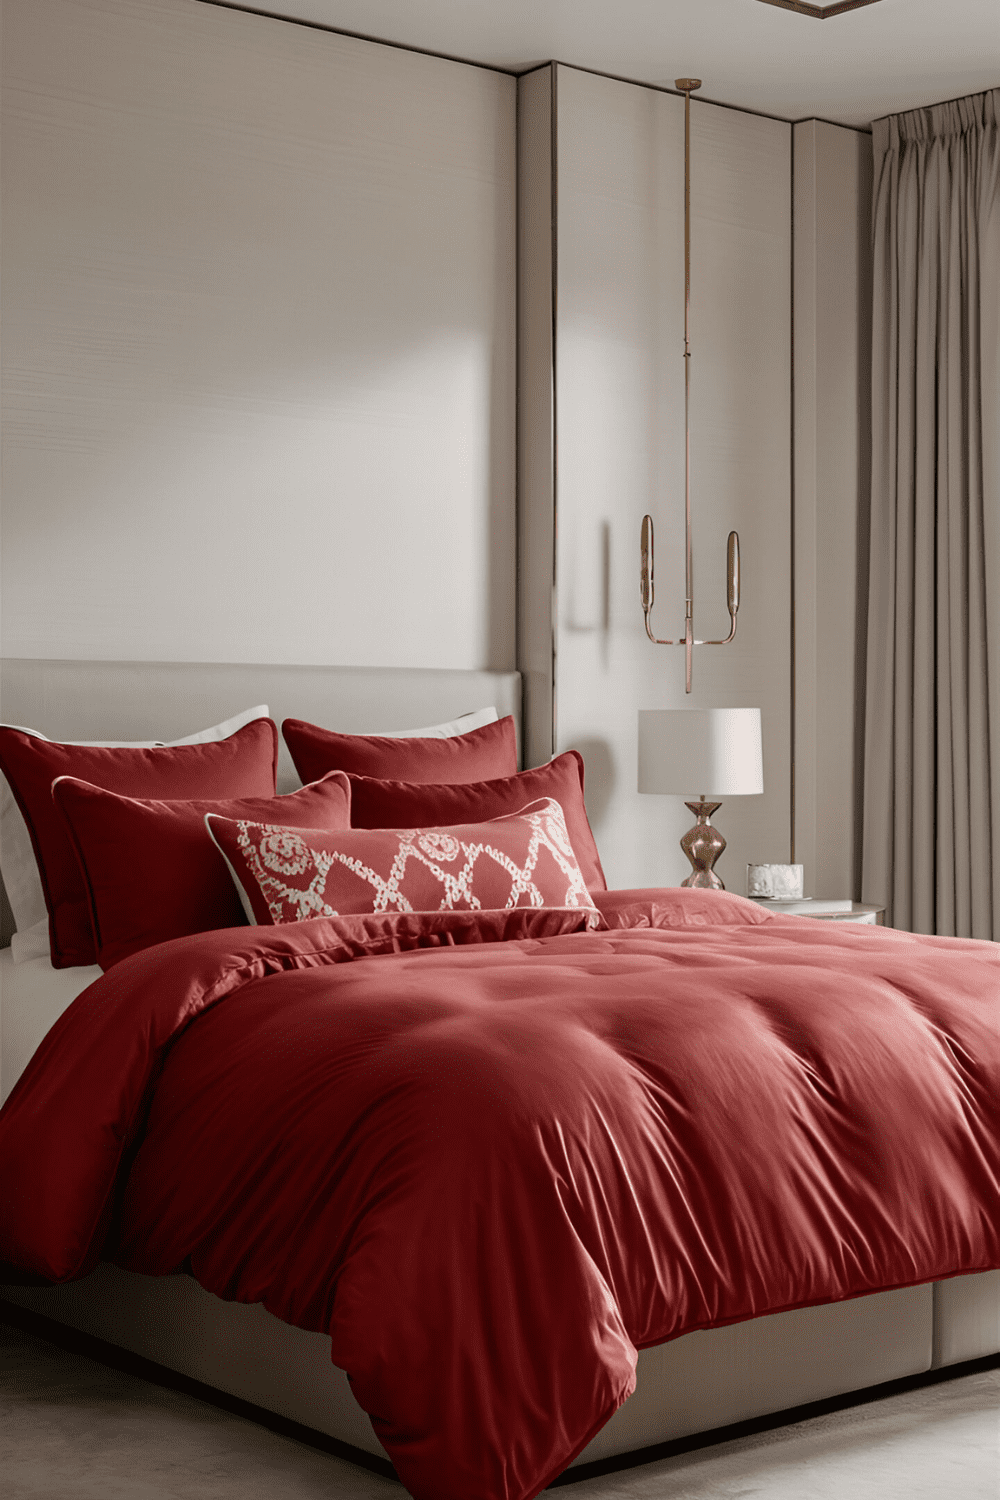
pixel 694 1384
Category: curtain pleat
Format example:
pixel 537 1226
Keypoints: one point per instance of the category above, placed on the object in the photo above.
pixel 931 835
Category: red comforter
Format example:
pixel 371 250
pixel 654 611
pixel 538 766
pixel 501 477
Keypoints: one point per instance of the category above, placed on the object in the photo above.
pixel 492 1171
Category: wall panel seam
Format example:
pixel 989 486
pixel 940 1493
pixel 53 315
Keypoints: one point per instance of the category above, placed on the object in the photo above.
pixel 554 262
pixel 791 507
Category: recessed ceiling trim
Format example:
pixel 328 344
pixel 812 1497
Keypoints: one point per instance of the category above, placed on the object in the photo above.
pixel 819 12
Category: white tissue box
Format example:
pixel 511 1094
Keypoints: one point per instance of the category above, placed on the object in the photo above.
pixel 775 882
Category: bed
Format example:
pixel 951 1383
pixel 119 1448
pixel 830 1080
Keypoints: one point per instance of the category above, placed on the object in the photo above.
pixel 701 1380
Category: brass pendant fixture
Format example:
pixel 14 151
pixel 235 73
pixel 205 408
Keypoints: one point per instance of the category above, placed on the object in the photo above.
pixel 646 589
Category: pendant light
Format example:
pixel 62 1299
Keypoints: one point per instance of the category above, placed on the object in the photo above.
pixel 688 641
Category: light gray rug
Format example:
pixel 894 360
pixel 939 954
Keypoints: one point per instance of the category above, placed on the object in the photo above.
pixel 72 1429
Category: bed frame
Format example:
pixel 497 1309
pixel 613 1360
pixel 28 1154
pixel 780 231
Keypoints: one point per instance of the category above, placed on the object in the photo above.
pixel 697 1383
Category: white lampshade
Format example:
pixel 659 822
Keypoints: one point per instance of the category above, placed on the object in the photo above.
pixel 715 752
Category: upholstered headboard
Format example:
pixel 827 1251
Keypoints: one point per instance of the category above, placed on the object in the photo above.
pixel 80 700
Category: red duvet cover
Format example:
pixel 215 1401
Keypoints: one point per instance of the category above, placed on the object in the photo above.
pixel 494 1167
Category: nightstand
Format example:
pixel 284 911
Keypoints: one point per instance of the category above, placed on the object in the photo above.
pixel 860 911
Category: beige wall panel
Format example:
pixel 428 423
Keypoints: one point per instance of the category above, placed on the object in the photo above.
pixel 620 448
pixel 259 342
pixel 832 201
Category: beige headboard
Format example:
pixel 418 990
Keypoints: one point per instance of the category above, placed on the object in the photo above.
pixel 80 700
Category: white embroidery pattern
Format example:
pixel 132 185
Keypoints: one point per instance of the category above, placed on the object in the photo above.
pixel 272 851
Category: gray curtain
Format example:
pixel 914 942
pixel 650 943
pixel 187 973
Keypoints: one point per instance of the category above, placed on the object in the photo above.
pixel 931 835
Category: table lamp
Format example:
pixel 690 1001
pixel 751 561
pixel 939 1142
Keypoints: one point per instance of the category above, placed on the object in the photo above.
pixel 717 750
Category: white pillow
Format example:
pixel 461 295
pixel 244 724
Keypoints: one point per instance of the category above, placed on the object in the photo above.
pixel 443 731
pixel 17 858
pixel 32 942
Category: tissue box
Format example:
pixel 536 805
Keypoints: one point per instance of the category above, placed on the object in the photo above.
pixel 775 882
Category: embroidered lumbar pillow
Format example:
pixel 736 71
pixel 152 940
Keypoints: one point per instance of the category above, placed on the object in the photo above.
pixel 292 874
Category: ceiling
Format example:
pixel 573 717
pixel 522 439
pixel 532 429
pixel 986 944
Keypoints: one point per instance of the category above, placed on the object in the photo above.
pixel 849 68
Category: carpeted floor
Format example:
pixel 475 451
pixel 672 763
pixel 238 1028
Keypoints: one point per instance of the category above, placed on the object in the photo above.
pixel 73 1429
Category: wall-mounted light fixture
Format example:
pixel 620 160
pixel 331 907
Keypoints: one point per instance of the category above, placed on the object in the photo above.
pixel 646 589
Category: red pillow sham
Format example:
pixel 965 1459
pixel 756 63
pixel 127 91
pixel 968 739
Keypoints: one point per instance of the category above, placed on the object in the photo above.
pixel 401 804
pixel 243 765
pixel 292 875
pixel 476 756
pixel 678 906
pixel 152 872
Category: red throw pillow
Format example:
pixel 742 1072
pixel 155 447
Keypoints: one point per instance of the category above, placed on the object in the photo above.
pixel 400 804
pixel 292 875
pixel 243 765
pixel 678 906
pixel 151 870
pixel 477 756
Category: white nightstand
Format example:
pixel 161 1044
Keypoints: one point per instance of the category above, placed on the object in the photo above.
pixel 860 911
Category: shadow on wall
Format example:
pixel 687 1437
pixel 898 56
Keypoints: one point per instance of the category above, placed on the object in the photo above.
pixel 599 780
pixel 589 607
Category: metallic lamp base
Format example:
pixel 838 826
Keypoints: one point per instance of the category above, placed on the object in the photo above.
pixel 703 844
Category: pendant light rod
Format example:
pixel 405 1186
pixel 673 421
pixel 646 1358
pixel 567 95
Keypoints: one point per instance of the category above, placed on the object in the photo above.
pixel 687 86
